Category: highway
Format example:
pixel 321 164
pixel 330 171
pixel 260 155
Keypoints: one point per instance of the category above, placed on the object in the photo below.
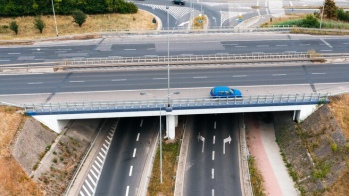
pixel 125 162
pixel 180 78
pixel 200 44
pixel 212 169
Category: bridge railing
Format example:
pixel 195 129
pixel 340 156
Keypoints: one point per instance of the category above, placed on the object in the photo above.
pixel 178 103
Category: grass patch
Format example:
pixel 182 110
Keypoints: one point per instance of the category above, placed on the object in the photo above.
pixel 94 23
pixel 169 165
pixel 316 57
pixel 256 178
pixel 198 24
pixel 339 106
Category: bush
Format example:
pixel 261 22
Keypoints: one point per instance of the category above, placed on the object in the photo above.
pixel 79 17
pixel 310 22
pixel 127 7
pixel 39 24
pixel 343 16
pixel 14 27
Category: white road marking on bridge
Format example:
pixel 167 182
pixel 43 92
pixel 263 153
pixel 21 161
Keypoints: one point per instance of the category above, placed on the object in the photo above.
pixel 214 139
pixel 137 137
pixel 117 80
pixel 127 189
pixel 141 123
pixel 239 76
pixel 130 173
pixel 325 50
pixel 325 42
pixel 134 152
pixel 130 49
pixel 279 74
pixel 200 77
pixel 35 83
pixel 14 53
pixel 262 45
pixel 94 174
pixel 91 179
pixel 214 125
pixel 76 81
pixel 88 193
pixel 99 159
pixel 281 45
pixel 159 78
pixel 100 153
pixel 318 73
pixel 97 170
pixel 212 192
pixel 212 155
pixel 212 172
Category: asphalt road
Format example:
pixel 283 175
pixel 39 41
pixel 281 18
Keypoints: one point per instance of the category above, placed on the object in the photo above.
pixel 125 162
pixel 208 170
pixel 183 78
pixel 141 46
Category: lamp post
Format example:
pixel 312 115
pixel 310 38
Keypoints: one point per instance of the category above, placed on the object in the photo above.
pixel 160 129
pixel 168 58
pixel 54 16
pixel 322 13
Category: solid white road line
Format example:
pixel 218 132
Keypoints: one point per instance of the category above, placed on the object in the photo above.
pixel 212 155
pixel 137 137
pixel 127 189
pixel 214 139
pixel 141 123
pixel 35 83
pixel 159 78
pixel 212 172
pixel 318 73
pixel 214 126
pixel 130 173
pixel 279 74
pixel 134 152
pixel 200 77
pixel 4 60
pixel 325 42
pixel 14 53
pixel 116 80
pixel 91 179
pixel 239 76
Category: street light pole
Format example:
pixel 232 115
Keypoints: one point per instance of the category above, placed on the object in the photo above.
pixel 168 58
pixel 54 16
pixel 322 13
pixel 160 128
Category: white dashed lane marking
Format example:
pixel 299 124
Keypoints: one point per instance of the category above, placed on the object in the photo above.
pixel 239 76
pixel 318 73
pixel 279 74
pixel 212 155
pixel 214 139
pixel 137 137
pixel 127 190
pixel 141 123
pixel 212 173
pixel 35 83
pixel 130 173
pixel 200 77
pixel 116 80
pixel 134 152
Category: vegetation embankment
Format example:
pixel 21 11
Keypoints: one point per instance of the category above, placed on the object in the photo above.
pixel 256 178
pixel 94 23
pixel 333 18
pixel 170 152
pixel 316 151
pixel 13 179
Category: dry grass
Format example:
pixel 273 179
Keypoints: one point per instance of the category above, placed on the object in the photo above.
pixel 94 23
pixel 197 24
pixel 13 180
pixel 340 188
pixel 169 159
pixel 256 178
pixel 339 106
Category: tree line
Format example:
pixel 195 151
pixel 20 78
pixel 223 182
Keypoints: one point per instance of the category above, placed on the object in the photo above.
pixel 11 8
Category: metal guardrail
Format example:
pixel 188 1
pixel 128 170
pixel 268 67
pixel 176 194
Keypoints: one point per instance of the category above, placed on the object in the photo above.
pixel 216 58
pixel 176 104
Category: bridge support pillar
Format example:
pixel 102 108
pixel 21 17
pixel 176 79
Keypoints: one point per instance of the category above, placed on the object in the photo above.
pixel 52 122
pixel 171 121
pixel 304 112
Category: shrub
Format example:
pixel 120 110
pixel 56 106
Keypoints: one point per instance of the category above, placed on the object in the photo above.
pixel 14 27
pixel 79 17
pixel 334 147
pixel 343 16
pixel 39 24
pixel 310 21
pixel 54 160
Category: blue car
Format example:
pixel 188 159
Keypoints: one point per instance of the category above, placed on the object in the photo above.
pixel 224 92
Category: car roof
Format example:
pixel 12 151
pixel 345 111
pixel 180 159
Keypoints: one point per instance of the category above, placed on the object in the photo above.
pixel 221 88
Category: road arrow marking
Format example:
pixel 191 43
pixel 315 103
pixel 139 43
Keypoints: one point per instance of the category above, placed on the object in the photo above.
pixel 203 141
pixel 228 139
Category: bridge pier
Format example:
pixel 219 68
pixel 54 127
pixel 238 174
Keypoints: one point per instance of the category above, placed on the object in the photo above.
pixel 171 124
pixel 52 122
pixel 304 112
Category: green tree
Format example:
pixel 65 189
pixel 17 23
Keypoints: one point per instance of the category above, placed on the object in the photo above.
pixel 39 24
pixel 343 15
pixel 79 17
pixel 14 27
pixel 310 21
pixel 330 9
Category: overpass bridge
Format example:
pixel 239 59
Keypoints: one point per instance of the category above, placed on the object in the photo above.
pixel 57 115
